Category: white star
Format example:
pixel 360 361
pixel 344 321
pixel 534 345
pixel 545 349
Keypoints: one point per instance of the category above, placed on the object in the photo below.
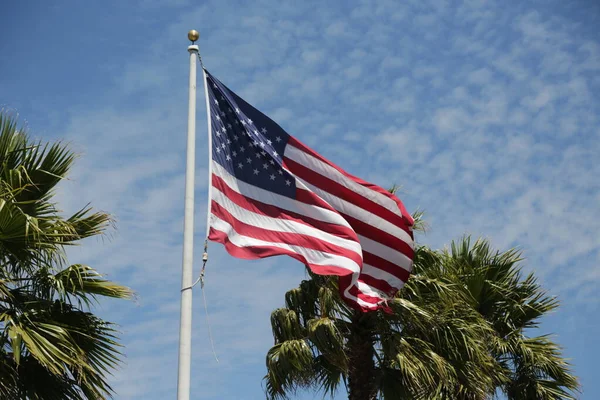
pixel 222 98
pixel 272 162
pixel 243 122
pixel 272 177
pixel 254 143
pixel 218 118
pixel 216 102
pixel 249 160
pixel 235 137
pixel 223 146
pixel 240 165
pixel 228 157
pixel 262 145
pixel 278 139
pixel 237 110
pixel 264 130
pixel 242 149
pixel 269 142
pixel 229 109
pixel 234 153
pixel 218 133
pixel 265 166
pixel 222 113
pixel 215 85
pixel 257 155
pixel 218 150
pixel 288 182
pixel 255 132
pixel 280 172
pixel 228 141
pixel 249 121
pixel 275 154
pixel 256 171
pixel 263 153
pixel 223 129
pixel 229 126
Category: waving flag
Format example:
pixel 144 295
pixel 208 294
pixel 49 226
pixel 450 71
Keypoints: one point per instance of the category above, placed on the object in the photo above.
pixel 272 195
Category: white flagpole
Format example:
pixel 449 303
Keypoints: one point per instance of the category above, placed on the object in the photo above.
pixel 185 327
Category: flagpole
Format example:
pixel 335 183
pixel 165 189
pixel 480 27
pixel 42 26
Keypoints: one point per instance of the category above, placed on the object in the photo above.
pixel 185 327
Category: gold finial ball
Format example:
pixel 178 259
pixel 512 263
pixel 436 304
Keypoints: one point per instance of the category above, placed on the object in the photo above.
pixel 193 35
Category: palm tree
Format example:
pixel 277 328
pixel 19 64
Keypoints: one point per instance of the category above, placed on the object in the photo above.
pixel 453 334
pixel 532 366
pixel 51 345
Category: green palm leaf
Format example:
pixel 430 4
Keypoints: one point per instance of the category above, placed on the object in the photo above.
pixel 52 346
pixel 456 331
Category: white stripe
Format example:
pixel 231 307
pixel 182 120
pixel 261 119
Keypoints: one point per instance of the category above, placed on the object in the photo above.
pixel 371 291
pixel 312 256
pixel 359 213
pixel 385 252
pixel 361 302
pixel 320 167
pixel 274 199
pixel 261 221
pixel 382 275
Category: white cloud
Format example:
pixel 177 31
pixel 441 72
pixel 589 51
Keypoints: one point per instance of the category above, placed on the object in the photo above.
pixel 281 114
pixel 337 28
pixel 353 72
pixel 313 56
pixel 404 104
pixel 481 76
pixel 540 100
pixel 450 119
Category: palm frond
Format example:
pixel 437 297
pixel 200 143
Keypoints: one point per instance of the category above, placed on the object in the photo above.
pixel 285 325
pixel 457 330
pixel 289 367
pixel 420 225
pixel 324 334
pixel 79 282
pixel 327 375
pixel 539 368
pixel 51 345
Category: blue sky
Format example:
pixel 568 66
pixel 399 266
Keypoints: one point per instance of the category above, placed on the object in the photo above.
pixel 487 113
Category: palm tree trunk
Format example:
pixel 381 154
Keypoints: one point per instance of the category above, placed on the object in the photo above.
pixel 361 371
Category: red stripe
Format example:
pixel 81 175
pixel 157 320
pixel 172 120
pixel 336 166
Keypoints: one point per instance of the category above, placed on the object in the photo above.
pixel 378 235
pixel 299 145
pixel 254 252
pixel 379 284
pixel 385 265
pixel 369 299
pixel 276 212
pixel 294 239
pixel 345 281
pixel 342 192
pixel 311 198
pixel 380 305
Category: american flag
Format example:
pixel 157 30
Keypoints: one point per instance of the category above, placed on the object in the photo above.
pixel 272 195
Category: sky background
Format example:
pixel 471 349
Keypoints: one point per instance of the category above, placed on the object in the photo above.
pixel 486 112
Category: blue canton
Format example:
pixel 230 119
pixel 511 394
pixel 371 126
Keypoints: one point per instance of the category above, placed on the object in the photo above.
pixel 247 143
